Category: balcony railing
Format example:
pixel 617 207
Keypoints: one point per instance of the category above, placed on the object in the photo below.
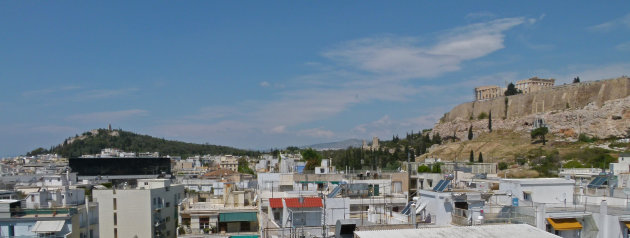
pixel 43 212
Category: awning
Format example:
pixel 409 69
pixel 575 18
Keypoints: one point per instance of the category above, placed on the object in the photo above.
pixel 627 224
pixel 48 226
pixel 564 224
pixel 237 216
pixel 275 203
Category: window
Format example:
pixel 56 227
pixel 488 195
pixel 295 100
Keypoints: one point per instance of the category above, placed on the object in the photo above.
pixel 115 232
pixel 527 196
pixel 168 204
pixel 115 205
pixel 146 183
pixel 115 219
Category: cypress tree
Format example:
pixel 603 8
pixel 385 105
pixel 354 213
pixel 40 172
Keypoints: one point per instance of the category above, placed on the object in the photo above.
pixel 480 159
pixel 472 157
pixel 490 121
pixel 470 134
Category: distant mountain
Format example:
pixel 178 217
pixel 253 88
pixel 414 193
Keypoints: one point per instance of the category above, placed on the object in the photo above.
pixel 356 143
pixel 92 142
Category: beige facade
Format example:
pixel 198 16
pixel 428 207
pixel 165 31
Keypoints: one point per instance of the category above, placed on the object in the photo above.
pixel 148 210
pixel 534 84
pixel 374 146
pixel 229 162
pixel 488 92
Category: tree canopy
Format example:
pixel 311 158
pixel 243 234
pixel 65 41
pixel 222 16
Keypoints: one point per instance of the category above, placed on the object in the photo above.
pixel 540 133
pixel 93 143
pixel 312 157
pixel 512 90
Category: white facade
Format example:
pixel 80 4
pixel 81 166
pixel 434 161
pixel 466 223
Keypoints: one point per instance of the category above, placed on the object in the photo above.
pixel 45 198
pixel 325 168
pixel 149 210
pixel 541 190
pixel 622 165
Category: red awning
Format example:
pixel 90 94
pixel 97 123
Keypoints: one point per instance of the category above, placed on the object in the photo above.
pixel 275 202
pixel 308 202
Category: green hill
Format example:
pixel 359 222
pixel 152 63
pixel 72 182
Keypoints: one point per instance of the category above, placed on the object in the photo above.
pixel 93 141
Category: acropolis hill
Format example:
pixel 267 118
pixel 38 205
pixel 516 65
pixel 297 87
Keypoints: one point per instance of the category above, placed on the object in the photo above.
pixel 596 108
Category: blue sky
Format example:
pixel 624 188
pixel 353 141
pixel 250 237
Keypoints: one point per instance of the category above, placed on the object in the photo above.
pixel 254 74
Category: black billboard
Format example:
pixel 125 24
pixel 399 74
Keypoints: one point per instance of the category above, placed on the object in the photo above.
pixel 120 166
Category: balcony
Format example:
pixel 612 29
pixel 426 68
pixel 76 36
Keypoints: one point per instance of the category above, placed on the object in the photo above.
pixel 43 212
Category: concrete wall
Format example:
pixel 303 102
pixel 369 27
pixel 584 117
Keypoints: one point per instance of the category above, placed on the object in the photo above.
pixel 540 192
pixel 556 98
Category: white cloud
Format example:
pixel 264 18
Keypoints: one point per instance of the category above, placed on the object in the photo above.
pixel 264 84
pixel 316 132
pixel 278 129
pixel 361 71
pixel 621 22
pixel 48 91
pixel 107 117
pixel 105 93
pixel 623 46
pixel 403 58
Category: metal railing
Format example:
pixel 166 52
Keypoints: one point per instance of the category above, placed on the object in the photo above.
pixel 43 211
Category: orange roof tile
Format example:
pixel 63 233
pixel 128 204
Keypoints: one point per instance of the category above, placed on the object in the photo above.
pixel 308 202
pixel 275 202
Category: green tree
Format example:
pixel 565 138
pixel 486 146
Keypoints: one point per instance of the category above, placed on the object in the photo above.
pixel 243 166
pixel 313 159
pixel 472 157
pixel 37 151
pixel 482 115
pixel 437 139
pixel 424 169
pixel 503 166
pixel 511 90
pixel 436 168
pixel 573 164
pixel 576 80
pixel 490 121
pixel 540 133
pixel 470 133
pixel 480 159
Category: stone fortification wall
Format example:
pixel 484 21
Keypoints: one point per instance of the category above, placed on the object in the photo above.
pixel 597 108
pixel 570 96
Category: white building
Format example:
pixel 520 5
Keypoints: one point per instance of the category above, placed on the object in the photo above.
pixel 622 165
pixel 229 162
pixel 540 190
pixel 72 222
pixel 325 168
pixel 148 210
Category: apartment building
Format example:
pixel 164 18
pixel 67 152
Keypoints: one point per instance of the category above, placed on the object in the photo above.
pixel 148 209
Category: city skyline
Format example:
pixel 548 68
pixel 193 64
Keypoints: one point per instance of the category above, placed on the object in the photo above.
pixel 261 75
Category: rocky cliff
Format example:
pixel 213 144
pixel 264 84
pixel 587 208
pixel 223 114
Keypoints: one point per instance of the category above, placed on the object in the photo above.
pixel 597 108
